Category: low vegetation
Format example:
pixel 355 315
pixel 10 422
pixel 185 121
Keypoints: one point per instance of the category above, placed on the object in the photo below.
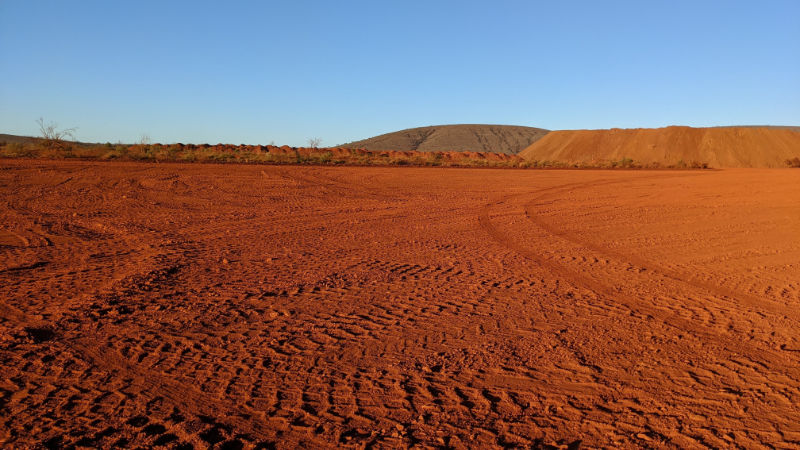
pixel 624 163
pixel 793 162
pixel 42 148
pixel 264 154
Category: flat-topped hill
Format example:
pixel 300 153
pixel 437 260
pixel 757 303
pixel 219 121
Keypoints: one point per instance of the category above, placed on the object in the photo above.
pixel 509 139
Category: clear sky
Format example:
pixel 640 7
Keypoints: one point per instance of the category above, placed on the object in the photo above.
pixel 285 71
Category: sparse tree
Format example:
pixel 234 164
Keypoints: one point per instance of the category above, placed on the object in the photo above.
pixel 144 139
pixel 314 142
pixel 52 135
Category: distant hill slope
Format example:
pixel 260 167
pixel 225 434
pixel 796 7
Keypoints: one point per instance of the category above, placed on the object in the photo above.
pixel 508 139
pixel 719 147
pixel 14 138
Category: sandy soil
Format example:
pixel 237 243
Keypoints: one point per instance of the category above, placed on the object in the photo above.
pixel 243 306
pixel 718 147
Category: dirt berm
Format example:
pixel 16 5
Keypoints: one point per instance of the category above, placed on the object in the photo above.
pixel 718 147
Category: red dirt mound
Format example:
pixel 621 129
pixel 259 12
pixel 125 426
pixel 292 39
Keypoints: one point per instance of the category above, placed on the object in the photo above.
pixel 719 147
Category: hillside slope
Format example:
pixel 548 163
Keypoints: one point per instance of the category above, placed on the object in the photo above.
pixel 14 138
pixel 508 139
pixel 719 147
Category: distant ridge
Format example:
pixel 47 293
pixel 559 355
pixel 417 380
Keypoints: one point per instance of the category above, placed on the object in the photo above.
pixel 15 138
pixel 741 146
pixel 509 139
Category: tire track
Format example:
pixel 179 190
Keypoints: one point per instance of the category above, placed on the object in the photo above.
pixel 358 307
pixel 606 292
pixel 736 297
pixel 149 383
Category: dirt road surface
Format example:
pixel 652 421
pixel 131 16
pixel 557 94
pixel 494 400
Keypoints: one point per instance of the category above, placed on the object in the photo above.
pixel 262 306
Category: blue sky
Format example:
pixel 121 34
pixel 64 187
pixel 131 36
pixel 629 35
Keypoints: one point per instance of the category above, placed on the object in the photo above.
pixel 260 72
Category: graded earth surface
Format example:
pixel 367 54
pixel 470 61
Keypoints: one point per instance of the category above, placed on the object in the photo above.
pixel 718 147
pixel 508 139
pixel 191 306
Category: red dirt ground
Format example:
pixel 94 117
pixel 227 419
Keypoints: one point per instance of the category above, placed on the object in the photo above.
pixel 280 306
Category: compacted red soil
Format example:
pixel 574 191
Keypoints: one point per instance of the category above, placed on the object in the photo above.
pixel 278 306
